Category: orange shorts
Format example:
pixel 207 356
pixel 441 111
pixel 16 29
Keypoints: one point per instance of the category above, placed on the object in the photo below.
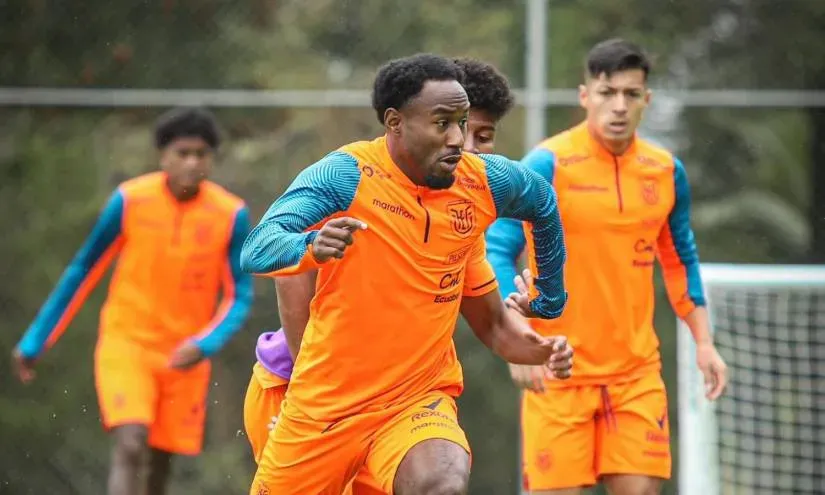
pixel 136 386
pixel 304 456
pixel 263 401
pixel 574 435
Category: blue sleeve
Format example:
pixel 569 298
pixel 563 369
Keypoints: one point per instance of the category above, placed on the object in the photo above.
pixel 521 193
pixel 77 280
pixel 279 242
pixel 505 238
pixel 677 249
pixel 238 293
pixel 505 242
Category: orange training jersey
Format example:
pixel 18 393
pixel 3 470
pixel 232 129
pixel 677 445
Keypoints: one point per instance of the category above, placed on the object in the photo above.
pixel 174 258
pixel 383 316
pixel 619 213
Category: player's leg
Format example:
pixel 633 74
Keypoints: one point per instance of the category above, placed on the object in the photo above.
pixel 433 467
pixel 180 418
pixel 158 468
pixel 127 460
pixel 126 392
pixel 635 452
pixel 421 449
pixel 558 430
pixel 304 456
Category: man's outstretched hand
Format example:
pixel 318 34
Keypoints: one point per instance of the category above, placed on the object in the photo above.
pixel 558 367
pixel 520 301
pixel 23 366
pixel 185 356
pixel 560 363
pixel 335 237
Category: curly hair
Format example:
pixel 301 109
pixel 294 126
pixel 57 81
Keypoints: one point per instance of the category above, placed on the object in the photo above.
pixel 487 88
pixel 187 122
pixel 400 80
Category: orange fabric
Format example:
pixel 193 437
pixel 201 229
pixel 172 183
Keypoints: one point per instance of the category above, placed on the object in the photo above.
pixel 167 282
pixel 432 256
pixel 263 401
pixel 614 214
pixel 573 436
pixel 306 456
pixel 136 386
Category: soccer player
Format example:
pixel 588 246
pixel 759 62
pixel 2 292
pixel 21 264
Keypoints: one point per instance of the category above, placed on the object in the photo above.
pixel 395 228
pixel 178 239
pixel 490 100
pixel 624 203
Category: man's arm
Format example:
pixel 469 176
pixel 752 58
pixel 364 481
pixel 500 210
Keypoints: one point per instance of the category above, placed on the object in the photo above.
pixel 523 194
pixel 679 258
pixel 279 245
pixel 77 281
pixel 510 336
pixel 294 295
pixel 505 238
pixel 680 263
pixel 237 293
pixel 505 243
pixel 504 331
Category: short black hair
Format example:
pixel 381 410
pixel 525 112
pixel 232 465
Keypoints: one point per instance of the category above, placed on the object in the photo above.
pixel 616 55
pixel 187 122
pixel 400 80
pixel 486 87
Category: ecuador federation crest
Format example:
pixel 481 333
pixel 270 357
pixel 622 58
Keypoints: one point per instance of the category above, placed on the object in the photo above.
pixel 650 191
pixel 463 217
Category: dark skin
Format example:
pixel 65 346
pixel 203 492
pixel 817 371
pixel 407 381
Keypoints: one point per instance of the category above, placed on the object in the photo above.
pixel 425 139
pixel 481 132
pixel 136 468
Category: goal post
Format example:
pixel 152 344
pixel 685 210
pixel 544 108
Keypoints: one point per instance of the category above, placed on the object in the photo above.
pixel 766 435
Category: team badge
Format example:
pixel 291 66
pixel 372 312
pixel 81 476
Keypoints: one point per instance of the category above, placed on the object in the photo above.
pixel 463 215
pixel 650 191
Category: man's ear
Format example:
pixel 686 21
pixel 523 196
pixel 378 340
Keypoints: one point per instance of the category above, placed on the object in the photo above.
pixel 392 119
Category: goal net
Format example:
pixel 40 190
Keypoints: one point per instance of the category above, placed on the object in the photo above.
pixel 766 435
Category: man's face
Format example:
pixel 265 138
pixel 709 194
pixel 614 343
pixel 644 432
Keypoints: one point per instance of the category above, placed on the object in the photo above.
pixel 615 104
pixel 432 128
pixel 481 132
pixel 187 161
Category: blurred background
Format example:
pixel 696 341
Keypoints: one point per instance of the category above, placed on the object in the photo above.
pixel 738 96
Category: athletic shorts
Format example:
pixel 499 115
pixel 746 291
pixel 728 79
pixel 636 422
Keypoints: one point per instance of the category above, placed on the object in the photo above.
pixel 305 456
pixel 136 386
pixel 263 401
pixel 574 435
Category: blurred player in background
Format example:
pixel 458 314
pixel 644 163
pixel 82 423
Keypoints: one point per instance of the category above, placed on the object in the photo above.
pixel 178 239
pixel 624 202
pixel 395 228
pixel 490 100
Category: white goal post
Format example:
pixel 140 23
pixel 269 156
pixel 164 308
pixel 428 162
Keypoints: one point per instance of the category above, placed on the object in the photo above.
pixel 766 434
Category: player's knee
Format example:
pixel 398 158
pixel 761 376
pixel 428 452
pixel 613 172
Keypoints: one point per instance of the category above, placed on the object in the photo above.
pixel 130 443
pixel 447 482
pixel 434 467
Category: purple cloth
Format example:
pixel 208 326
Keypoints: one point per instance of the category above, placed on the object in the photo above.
pixel 273 353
